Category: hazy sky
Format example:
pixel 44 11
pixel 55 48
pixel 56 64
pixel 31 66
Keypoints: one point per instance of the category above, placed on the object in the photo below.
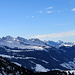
pixel 44 19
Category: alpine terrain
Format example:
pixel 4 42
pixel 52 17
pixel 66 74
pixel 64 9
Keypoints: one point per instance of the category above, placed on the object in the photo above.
pixel 38 55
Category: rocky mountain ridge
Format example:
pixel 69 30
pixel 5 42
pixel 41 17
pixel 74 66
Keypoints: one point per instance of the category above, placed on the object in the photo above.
pixel 16 42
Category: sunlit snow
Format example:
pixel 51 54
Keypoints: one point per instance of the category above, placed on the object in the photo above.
pixel 40 68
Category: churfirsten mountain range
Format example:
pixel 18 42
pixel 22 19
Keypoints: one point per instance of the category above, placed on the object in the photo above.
pixel 37 55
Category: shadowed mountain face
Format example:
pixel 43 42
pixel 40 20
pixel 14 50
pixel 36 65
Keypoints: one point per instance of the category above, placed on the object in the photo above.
pixel 9 68
pixel 36 60
pixel 41 60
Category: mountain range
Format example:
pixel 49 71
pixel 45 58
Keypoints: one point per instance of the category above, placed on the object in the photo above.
pixel 38 55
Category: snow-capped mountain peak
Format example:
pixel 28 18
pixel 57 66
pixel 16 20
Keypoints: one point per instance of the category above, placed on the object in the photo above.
pixel 21 42
pixel 7 38
pixel 21 39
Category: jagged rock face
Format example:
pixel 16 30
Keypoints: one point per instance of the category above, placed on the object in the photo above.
pixel 8 68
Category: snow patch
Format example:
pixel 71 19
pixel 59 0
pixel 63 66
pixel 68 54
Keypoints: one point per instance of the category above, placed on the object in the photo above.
pixel 40 68
pixel 54 58
pixel 69 65
pixel 30 58
pixel 45 61
pixel 7 56
pixel 17 64
pixel 17 50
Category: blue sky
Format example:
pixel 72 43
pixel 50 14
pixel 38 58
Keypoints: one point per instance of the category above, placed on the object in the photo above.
pixel 44 19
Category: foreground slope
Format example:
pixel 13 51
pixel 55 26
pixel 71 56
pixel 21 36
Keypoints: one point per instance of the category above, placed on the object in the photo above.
pixel 8 68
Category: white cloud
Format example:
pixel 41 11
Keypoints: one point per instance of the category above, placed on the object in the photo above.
pixel 73 9
pixel 32 16
pixel 49 11
pixel 27 16
pixel 41 12
pixel 46 10
pixel 57 35
pixel 60 11
pixel 49 8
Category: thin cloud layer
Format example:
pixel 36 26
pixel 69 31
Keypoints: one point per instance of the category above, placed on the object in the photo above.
pixel 49 8
pixel 49 11
pixel 46 10
pixel 30 16
pixel 41 12
pixel 57 35
pixel 73 9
